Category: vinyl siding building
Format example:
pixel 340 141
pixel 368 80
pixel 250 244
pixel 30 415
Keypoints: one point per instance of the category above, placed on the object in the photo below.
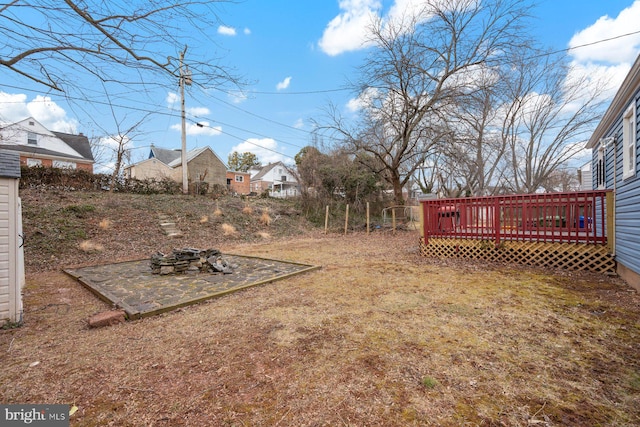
pixel 615 165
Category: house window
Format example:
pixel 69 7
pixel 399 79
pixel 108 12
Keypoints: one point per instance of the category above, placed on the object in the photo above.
pixel 600 170
pixel 239 178
pixel 34 162
pixel 283 178
pixel 629 141
pixel 63 165
pixel 32 138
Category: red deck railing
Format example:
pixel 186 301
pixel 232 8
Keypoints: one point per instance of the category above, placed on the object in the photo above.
pixel 551 217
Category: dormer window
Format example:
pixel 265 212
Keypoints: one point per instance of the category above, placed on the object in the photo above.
pixel 32 138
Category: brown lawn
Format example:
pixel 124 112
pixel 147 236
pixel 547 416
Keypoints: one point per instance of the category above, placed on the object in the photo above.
pixel 378 337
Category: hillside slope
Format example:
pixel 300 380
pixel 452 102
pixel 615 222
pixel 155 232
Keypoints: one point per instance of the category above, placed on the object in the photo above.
pixel 71 228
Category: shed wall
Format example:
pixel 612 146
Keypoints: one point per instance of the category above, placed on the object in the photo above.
pixel 10 292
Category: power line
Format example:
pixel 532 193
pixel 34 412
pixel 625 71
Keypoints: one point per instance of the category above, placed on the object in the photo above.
pixel 568 49
pixel 171 114
pixel 308 92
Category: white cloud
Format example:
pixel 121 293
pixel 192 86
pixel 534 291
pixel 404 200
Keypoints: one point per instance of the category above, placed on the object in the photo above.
pixel 198 111
pixel 624 49
pixel 299 124
pixel 284 84
pixel 172 99
pixel 201 128
pixel 237 97
pixel 363 100
pixel 607 62
pixel 607 78
pixel 16 107
pixel 247 31
pixel 348 31
pixel 263 148
pixel 226 31
pixel 113 141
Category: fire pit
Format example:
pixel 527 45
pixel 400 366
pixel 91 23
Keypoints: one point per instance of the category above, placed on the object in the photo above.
pixel 189 260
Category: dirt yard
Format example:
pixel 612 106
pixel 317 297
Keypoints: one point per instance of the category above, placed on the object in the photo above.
pixel 378 337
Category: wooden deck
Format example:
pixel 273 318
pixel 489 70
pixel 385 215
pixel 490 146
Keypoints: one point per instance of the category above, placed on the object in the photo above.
pixel 568 230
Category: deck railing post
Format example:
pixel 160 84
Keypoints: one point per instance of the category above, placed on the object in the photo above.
pixel 496 220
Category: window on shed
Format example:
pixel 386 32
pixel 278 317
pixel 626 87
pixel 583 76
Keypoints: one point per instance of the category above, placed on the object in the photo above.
pixel 629 141
pixel 600 172
pixel 32 138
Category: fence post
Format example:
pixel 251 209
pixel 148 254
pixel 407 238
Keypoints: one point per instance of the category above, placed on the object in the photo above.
pixel 326 219
pixel 393 219
pixel 368 224
pixel 346 220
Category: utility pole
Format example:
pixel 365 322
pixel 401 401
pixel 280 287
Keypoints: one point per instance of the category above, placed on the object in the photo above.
pixel 185 79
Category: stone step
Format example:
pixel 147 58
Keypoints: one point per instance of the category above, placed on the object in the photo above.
pixel 169 227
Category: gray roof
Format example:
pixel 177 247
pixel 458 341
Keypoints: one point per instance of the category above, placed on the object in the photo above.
pixel 80 143
pixel 164 155
pixel 265 170
pixel 9 164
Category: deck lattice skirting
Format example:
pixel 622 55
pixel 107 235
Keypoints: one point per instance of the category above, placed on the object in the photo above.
pixel 571 256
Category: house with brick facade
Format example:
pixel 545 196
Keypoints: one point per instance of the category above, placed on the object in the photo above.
pixel 38 146
pixel 239 182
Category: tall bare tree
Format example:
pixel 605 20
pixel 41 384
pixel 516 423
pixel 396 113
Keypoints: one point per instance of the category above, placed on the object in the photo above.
pixel 419 65
pixel 552 111
pixel 50 41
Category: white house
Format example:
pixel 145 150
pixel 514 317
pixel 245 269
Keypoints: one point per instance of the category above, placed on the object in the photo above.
pixel 277 178
pixel 38 146
pixel 11 252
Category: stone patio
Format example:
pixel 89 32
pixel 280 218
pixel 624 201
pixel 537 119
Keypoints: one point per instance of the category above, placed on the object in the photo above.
pixel 132 287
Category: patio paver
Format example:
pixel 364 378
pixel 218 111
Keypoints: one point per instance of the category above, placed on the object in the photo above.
pixel 132 287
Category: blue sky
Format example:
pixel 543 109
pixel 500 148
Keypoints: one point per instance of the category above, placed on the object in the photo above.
pixel 296 57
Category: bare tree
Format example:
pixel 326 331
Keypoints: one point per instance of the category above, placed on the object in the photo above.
pixel 477 150
pixel 551 113
pixel 419 66
pixel 50 41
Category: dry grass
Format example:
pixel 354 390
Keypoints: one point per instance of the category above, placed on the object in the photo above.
pixel 265 218
pixel 89 246
pixel 105 224
pixel 228 230
pixel 204 219
pixel 378 337
pixel 247 210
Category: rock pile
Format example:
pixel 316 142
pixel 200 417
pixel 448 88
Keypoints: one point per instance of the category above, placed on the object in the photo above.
pixel 190 260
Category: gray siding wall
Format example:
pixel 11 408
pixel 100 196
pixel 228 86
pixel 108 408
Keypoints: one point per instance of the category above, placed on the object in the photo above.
pixel 627 210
